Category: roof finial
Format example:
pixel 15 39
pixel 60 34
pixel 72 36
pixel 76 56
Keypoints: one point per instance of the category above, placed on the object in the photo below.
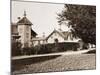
pixel 24 13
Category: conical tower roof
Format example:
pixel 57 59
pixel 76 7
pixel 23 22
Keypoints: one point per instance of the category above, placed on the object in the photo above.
pixel 24 20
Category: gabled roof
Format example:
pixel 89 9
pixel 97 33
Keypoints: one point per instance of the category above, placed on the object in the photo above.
pixel 33 33
pixel 63 34
pixel 24 21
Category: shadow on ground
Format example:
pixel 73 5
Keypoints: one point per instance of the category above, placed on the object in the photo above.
pixel 21 63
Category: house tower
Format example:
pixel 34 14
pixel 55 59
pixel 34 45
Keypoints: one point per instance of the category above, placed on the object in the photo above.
pixel 24 29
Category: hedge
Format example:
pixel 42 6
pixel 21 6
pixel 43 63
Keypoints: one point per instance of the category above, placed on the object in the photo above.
pixel 16 48
pixel 45 48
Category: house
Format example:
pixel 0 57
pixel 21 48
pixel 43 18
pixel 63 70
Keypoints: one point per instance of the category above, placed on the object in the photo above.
pixel 14 32
pixel 56 36
pixel 38 41
pixel 61 36
pixel 66 37
pixel 59 39
pixel 23 29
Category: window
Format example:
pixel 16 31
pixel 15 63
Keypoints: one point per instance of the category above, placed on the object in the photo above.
pixel 56 40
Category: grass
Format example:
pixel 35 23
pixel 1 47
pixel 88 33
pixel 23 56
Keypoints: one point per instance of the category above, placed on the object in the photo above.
pixel 55 63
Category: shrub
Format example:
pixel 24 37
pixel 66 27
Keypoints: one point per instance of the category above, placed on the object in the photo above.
pixel 29 51
pixel 92 51
pixel 85 46
pixel 58 47
pixel 16 48
pixel 26 51
pixel 43 49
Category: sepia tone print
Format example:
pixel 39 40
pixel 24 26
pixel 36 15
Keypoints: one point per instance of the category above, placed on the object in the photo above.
pixel 50 37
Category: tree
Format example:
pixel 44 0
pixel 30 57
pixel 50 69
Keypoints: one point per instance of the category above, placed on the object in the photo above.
pixel 82 18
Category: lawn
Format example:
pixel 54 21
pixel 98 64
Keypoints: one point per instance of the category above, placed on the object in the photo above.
pixel 55 63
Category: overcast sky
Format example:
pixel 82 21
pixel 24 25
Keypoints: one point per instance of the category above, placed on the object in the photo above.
pixel 42 15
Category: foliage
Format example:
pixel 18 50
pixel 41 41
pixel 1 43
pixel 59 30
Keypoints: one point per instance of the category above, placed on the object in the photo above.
pixel 16 48
pixel 92 52
pixel 82 18
pixel 42 49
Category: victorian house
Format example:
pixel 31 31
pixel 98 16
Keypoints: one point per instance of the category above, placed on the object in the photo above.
pixel 22 31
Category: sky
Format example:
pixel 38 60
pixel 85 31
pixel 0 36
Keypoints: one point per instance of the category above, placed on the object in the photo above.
pixel 42 15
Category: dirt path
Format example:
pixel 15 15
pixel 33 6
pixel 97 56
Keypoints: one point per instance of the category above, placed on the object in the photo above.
pixel 50 54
